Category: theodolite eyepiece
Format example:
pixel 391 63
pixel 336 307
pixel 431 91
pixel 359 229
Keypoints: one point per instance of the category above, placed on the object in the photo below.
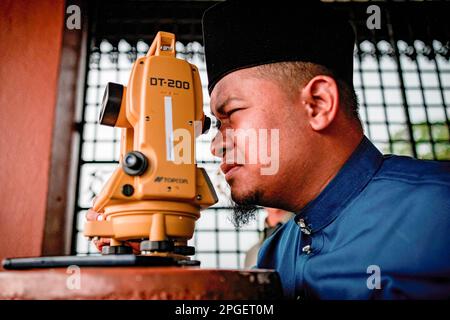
pixel 206 124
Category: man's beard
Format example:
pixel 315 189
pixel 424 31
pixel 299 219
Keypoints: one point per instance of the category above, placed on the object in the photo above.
pixel 245 210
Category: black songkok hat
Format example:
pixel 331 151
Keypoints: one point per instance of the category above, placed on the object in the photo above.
pixel 243 34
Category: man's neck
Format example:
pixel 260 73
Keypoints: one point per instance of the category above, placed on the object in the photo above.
pixel 334 154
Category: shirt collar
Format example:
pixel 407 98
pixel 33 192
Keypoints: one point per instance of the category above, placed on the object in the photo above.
pixel 347 184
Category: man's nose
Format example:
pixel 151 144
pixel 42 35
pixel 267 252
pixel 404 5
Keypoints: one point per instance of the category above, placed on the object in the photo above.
pixel 217 146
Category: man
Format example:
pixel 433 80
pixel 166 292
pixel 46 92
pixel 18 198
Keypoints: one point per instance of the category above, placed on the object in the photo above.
pixel 366 225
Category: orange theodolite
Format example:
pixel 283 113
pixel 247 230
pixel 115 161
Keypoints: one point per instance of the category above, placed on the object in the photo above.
pixel 156 193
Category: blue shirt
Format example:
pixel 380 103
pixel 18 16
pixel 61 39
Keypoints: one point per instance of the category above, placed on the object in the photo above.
pixel 379 230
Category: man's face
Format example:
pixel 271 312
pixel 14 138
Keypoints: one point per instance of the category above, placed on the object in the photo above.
pixel 244 102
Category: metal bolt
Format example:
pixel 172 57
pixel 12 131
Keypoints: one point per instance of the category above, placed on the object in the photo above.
pixel 127 190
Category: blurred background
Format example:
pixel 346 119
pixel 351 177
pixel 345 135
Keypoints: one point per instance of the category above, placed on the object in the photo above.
pixel 56 157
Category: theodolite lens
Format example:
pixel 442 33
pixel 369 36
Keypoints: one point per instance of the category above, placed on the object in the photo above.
pixel 134 163
pixel 112 99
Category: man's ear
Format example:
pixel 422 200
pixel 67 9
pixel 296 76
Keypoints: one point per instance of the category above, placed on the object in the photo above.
pixel 320 97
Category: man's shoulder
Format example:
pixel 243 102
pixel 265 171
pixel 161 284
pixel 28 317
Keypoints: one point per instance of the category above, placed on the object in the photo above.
pixel 403 169
pixel 404 184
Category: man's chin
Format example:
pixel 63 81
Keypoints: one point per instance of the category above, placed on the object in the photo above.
pixel 244 207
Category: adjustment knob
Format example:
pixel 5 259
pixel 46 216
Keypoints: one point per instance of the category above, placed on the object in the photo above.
pixel 134 163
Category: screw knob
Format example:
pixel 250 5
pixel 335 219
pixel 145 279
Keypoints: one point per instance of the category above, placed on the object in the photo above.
pixel 134 163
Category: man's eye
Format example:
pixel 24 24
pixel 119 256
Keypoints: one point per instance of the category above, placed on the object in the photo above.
pixel 218 124
pixel 229 113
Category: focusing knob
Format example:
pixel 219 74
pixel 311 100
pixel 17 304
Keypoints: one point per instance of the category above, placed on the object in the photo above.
pixel 112 99
pixel 134 163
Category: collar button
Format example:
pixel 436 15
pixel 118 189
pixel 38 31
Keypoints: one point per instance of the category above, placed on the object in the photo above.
pixel 307 249
pixel 303 227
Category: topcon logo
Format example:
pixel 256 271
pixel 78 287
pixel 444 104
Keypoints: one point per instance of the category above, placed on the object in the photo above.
pixel 170 180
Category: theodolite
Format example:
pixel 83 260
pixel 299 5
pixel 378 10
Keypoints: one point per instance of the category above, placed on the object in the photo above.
pixel 156 193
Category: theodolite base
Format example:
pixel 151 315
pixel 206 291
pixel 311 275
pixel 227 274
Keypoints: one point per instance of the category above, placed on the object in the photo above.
pixel 119 260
